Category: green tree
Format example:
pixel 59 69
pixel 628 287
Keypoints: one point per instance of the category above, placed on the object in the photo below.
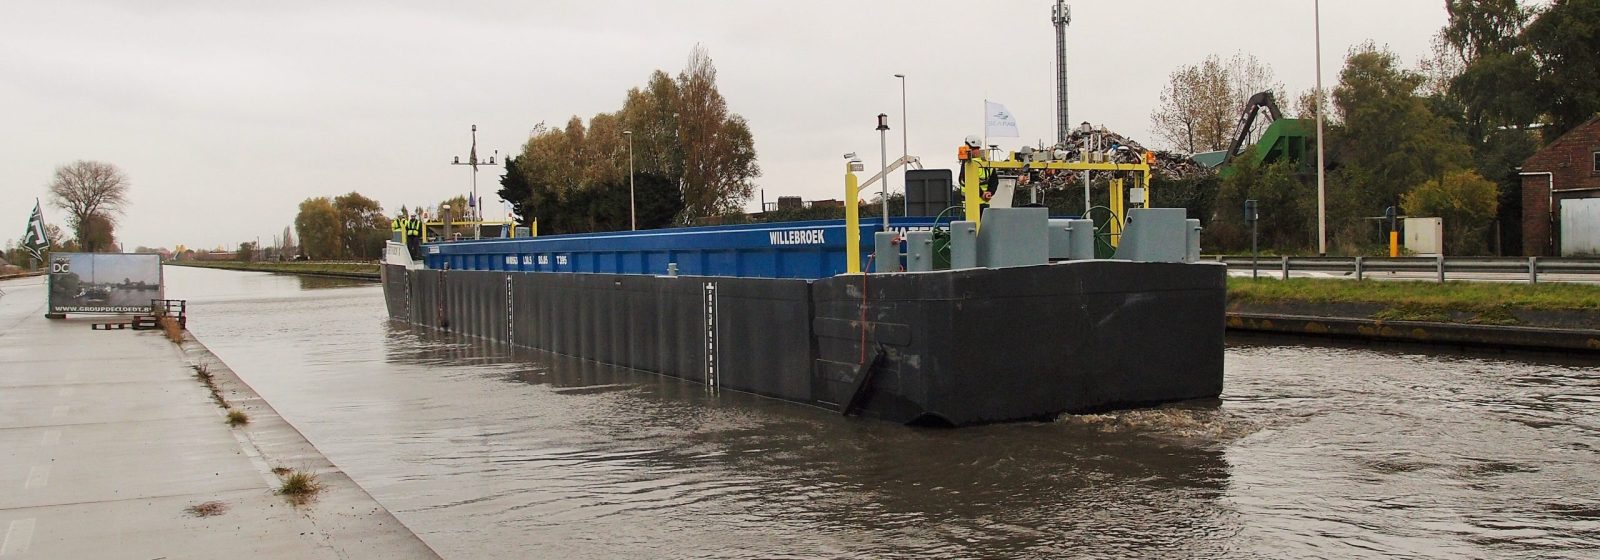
pixel 682 132
pixel 515 188
pixel 246 252
pixel 1388 140
pixel 363 228
pixel 1565 40
pixel 1466 202
pixel 1493 95
pixel 719 157
pixel 319 229
pixel 97 234
pixel 1284 200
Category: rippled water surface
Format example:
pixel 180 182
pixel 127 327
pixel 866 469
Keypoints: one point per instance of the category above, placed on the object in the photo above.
pixel 1313 452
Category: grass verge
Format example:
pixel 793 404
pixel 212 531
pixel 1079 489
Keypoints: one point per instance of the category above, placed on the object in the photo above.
pixel 1464 295
pixel 352 269
pixel 1473 302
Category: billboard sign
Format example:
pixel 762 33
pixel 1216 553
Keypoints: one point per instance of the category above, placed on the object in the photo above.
pixel 104 282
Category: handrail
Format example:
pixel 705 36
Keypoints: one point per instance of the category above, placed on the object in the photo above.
pixel 1441 267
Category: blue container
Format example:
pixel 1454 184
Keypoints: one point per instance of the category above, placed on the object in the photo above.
pixel 809 250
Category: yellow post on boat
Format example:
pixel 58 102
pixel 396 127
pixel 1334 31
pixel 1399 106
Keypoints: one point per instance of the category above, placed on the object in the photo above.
pixel 852 217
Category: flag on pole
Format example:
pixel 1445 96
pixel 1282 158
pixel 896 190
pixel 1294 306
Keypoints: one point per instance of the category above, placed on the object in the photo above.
pixel 34 240
pixel 998 121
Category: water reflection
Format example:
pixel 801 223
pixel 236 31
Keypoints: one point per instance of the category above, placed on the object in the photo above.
pixel 1314 451
pixel 328 282
pixel 668 448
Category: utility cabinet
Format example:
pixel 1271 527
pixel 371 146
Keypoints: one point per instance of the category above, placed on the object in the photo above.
pixel 1425 236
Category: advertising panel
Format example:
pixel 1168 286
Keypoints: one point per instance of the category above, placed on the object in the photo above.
pixel 104 282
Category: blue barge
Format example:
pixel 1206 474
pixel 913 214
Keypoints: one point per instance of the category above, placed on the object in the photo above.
pixel 809 250
pixel 918 322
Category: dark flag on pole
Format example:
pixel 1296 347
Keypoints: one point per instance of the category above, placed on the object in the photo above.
pixel 34 239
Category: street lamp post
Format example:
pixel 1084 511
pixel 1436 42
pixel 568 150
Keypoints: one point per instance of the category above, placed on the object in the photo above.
pixel 477 203
pixel 883 176
pixel 633 216
pixel 1322 191
pixel 905 143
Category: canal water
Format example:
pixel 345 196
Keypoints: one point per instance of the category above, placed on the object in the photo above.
pixel 1313 451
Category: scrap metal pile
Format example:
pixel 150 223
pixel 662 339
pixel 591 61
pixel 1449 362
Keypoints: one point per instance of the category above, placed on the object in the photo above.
pixel 1107 146
pixel 1121 149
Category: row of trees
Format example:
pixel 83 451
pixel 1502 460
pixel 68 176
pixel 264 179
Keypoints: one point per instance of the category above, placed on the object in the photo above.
pixel 693 160
pixel 1443 139
pixel 348 226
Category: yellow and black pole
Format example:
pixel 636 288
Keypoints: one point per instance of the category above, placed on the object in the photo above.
pixel 1394 232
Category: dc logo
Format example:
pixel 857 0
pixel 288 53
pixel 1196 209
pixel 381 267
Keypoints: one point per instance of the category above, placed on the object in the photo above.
pixel 60 267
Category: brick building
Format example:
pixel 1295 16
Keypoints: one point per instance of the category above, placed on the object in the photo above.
pixel 1567 169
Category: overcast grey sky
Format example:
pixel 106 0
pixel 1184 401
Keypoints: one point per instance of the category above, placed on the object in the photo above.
pixel 226 114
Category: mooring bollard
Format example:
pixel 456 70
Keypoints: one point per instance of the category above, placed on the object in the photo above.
pixel 1285 267
pixel 1358 269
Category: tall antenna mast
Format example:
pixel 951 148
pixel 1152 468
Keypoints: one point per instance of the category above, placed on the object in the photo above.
pixel 1061 15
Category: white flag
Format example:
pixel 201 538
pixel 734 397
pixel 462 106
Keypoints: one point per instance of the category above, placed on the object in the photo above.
pixel 999 122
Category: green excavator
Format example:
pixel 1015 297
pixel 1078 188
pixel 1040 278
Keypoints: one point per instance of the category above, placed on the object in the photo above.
pixel 1291 139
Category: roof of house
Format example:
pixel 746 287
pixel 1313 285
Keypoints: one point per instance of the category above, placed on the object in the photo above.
pixel 1562 141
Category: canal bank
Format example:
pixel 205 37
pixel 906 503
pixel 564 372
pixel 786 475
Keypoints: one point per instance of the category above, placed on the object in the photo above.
pixel 1341 313
pixel 353 270
pixel 116 449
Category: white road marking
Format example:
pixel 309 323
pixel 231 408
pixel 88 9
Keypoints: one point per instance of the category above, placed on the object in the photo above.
pixel 18 536
pixel 51 437
pixel 38 477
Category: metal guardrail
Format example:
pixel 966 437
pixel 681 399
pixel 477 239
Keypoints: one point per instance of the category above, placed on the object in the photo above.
pixel 1587 270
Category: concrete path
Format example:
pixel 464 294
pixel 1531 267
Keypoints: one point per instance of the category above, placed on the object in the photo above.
pixel 107 437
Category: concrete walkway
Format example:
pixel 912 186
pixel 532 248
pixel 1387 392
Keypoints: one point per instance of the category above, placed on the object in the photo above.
pixel 107 437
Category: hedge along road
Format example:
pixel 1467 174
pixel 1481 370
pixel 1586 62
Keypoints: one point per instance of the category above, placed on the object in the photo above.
pixel 489 451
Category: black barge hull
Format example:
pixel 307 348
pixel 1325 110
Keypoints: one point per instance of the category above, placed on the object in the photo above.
pixel 940 348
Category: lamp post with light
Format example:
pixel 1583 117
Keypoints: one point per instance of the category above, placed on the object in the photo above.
pixel 905 143
pixel 633 216
pixel 1322 191
pixel 883 176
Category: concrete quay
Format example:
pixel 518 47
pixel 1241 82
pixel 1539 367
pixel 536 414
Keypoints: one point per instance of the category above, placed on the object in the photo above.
pixel 107 439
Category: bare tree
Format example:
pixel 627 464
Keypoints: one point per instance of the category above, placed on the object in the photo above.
pixel 88 190
pixel 1201 104
pixel 1195 115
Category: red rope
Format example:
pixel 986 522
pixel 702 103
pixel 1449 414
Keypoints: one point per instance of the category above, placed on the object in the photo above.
pixel 863 322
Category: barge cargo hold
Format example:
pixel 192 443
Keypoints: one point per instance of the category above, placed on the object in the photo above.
pixel 770 309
